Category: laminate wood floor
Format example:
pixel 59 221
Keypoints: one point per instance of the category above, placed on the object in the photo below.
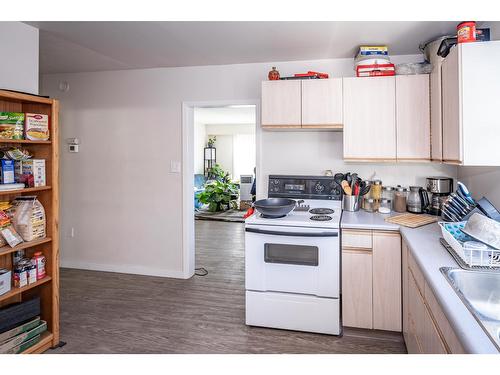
pixel 105 312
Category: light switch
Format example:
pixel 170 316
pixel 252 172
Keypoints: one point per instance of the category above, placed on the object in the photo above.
pixel 175 166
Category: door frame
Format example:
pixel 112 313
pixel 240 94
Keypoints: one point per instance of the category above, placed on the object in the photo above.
pixel 188 234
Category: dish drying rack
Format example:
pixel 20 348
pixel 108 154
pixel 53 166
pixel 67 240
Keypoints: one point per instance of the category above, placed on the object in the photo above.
pixel 477 259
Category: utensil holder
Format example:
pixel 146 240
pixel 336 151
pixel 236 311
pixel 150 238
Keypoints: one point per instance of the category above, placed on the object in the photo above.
pixel 350 203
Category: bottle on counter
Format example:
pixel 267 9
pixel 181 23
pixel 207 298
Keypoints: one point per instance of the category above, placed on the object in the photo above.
pixel 400 196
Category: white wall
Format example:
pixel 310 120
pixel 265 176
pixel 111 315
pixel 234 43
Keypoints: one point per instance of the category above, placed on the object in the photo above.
pixel 118 192
pixel 19 60
pixel 200 141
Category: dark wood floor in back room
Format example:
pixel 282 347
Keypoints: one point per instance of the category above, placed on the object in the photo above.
pixel 105 312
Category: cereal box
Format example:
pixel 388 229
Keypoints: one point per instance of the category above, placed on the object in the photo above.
pixel 37 127
pixel 36 168
pixel 11 125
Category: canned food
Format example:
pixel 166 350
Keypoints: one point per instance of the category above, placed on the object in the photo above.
pixel 21 273
pixel 466 32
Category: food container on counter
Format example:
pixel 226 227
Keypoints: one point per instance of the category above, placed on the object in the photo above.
pixel 385 206
pixel 369 204
pixel 400 195
pixel 388 193
pixel 376 190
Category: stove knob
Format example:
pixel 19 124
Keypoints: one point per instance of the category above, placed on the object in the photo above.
pixel 319 188
pixel 276 182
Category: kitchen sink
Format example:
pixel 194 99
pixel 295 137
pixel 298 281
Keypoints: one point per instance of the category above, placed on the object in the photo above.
pixel 480 291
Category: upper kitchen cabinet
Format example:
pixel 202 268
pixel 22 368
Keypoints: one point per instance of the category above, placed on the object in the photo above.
pixel 322 103
pixel 308 104
pixel 413 118
pixel 281 104
pixel 369 118
pixel 471 91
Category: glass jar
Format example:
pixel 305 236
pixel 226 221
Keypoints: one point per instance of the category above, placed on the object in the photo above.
pixel 369 204
pixel 388 193
pixel 376 190
pixel 400 195
pixel 385 206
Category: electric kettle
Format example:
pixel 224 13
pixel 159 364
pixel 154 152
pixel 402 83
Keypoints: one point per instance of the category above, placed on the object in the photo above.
pixel 418 200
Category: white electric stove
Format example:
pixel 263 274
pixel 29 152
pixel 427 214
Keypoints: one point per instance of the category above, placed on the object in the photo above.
pixel 292 263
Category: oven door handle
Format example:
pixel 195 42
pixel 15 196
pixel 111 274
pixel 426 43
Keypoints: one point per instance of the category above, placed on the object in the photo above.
pixel 292 234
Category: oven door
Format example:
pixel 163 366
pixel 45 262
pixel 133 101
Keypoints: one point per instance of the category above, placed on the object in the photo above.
pixel 292 259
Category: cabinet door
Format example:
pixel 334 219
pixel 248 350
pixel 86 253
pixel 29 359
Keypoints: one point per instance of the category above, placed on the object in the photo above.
pixel 357 288
pixel 404 263
pixel 322 103
pixel 452 137
pixel 413 117
pixel 415 317
pixel 387 281
pixel 369 118
pixel 281 104
pixel 436 114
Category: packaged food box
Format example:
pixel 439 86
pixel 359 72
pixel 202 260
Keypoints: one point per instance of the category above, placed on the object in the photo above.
pixel 29 325
pixel 7 171
pixel 35 168
pixel 10 345
pixel 37 127
pixel 11 125
pixel 5 280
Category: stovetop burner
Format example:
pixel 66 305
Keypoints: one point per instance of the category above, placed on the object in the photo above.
pixel 321 211
pixel 321 218
pixel 271 217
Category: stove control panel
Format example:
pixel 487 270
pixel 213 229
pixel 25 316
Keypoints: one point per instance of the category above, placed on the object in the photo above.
pixel 305 187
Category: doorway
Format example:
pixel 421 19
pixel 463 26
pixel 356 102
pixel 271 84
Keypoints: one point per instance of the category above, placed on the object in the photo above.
pixel 221 144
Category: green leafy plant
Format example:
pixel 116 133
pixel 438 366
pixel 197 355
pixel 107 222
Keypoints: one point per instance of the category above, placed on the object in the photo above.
pixel 220 193
pixel 211 141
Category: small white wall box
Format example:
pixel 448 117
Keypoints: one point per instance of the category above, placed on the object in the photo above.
pixel 73 144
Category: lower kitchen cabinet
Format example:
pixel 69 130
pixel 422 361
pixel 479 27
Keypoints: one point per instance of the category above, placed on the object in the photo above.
pixel 371 279
pixel 425 327
pixel 387 281
pixel 357 282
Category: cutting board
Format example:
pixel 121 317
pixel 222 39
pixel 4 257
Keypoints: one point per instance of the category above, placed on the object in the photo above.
pixel 412 220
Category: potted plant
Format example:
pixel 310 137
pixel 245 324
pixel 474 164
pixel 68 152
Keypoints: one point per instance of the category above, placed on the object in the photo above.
pixel 220 193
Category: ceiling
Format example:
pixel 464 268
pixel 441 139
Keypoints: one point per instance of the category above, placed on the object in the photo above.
pixel 233 115
pixel 68 47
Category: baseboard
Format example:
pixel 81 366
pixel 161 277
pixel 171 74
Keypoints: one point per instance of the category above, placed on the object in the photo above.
pixel 124 268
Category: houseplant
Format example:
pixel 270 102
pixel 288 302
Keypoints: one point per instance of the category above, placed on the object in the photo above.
pixel 220 193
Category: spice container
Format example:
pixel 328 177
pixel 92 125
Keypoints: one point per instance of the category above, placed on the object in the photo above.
pixel 400 196
pixel 388 193
pixel 38 262
pixel 369 204
pixel 385 206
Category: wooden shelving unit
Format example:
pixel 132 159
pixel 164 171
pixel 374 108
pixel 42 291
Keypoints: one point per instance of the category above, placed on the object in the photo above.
pixel 48 288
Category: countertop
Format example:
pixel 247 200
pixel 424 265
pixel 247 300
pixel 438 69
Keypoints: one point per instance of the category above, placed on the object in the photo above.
pixel 430 256
pixel 367 220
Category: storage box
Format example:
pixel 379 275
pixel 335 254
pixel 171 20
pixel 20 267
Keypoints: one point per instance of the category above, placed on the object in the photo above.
pixel 36 168
pixel 11 125
pixel 5 280
pixel 29 325
pixel 9 345
pixel 13 315
pixel 7 171
pixel 36 127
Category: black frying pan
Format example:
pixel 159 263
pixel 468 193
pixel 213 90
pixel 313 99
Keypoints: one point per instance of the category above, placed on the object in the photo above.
pixel 274 207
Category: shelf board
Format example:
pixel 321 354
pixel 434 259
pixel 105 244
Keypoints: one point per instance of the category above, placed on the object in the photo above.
pixel 23 245
pixel 25 190
pixel 25 141
pixel 42 345
pixel 24 98
pixel 16 291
